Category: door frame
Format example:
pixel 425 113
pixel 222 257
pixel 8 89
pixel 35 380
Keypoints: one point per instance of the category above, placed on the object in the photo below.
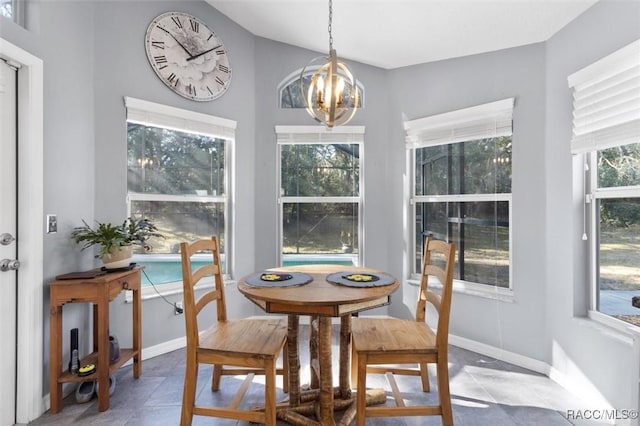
pixel 29 401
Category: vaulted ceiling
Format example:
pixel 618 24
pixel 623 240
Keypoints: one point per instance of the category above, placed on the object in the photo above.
pixel 397 33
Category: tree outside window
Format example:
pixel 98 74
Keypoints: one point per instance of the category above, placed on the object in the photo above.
pixel 320 202
pixel 178 180
pixel 463 194
pixel 616 191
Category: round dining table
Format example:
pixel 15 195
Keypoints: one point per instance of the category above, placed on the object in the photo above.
pixel 321 299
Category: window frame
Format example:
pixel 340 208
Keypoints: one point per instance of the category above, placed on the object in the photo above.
pixel 464 125
pixel 605 115
pixel 158 115
pixel 17 12
pixel 316 135
pixel 592 196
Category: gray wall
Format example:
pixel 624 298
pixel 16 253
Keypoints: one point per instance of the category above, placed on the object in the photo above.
pixel 438 87
pixel 94 56
pixel 595 358
pixel 122 69
pixel 62 35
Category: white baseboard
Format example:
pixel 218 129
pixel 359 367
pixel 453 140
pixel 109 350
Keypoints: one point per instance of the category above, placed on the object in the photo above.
pixel 162 348
pixel 501 354
pixel 584 393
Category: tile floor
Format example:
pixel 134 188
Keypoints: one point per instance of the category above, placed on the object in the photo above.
pixel 485 391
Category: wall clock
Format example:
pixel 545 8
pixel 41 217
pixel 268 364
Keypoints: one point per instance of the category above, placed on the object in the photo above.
pixel 187 56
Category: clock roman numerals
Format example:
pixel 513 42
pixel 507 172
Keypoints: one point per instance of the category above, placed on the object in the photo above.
pixel 157 44
pixel 220 52
pixel 161 61
pixel 173 79
pixel 219 80
pixel 195 26
pixel 176 21
pixel 223 68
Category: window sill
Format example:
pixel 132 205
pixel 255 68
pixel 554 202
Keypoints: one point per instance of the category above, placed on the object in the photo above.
pixel 148 292
pixel 473 289
pixel 614 324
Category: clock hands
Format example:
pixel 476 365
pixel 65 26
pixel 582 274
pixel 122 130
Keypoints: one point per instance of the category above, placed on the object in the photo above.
pixel 192 57
pixel 177 41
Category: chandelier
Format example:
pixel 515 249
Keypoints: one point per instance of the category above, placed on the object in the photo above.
pixel 331 96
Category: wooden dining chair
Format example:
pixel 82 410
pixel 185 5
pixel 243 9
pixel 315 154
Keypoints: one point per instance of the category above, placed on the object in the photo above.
pixel 252 346
pixel 387 345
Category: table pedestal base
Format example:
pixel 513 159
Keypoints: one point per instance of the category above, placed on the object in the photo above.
pixel 300 414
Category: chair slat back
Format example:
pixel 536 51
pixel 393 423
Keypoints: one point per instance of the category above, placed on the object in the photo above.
pixel 444 274
pixel 190 279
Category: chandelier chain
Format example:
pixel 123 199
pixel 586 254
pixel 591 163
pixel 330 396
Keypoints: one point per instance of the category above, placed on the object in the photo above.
pixel 330 21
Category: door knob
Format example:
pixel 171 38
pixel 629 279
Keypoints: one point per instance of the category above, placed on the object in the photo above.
pixel 9 265
pixel 6 239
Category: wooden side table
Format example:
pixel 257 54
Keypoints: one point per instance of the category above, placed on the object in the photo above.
pixel 99 291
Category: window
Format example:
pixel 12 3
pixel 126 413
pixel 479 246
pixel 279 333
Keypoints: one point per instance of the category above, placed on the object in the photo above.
pixel 606 130
pixel 320 203
pixel 178 176
pixel 13 10
pixel 291 93
pixel 6 8
pixel 461 189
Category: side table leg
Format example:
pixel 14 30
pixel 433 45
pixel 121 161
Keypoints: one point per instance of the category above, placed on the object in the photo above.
pixel 55 358
pixel 103 350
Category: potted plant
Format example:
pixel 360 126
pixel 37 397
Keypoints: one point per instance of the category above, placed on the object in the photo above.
pixel 115 241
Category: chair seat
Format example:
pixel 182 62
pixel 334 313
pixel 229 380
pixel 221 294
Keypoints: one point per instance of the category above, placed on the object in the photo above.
pixel 391 335
pixel 245 338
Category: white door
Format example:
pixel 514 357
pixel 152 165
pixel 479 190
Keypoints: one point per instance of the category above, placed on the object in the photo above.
pixel 8 251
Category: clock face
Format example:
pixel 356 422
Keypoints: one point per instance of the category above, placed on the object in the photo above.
pixel 187 56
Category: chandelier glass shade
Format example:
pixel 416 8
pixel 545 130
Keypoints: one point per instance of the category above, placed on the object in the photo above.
pixel 330 95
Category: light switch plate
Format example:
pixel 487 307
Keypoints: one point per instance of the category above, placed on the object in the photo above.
pixel 51 224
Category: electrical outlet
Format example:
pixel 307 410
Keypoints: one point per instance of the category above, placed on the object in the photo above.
pixel 52 224
pixel 178 308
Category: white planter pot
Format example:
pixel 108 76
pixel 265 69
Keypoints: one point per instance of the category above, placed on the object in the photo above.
pixel 118 258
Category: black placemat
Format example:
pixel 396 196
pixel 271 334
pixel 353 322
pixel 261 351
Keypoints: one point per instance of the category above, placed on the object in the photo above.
pixel 360 279
pixel 278 279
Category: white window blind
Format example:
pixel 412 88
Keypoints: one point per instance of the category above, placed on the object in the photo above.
pixel 482 121
pixel 167 117
pixel 319 134
pixel 606 101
